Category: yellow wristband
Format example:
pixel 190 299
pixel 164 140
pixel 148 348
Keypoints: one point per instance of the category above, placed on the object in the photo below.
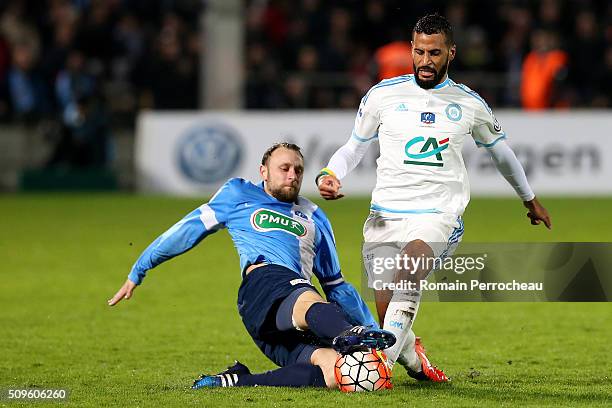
pixel 325 171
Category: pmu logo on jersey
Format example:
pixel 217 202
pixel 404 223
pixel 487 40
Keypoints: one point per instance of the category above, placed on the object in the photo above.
pixel 425 152
pixel 428 118
pixel 265 220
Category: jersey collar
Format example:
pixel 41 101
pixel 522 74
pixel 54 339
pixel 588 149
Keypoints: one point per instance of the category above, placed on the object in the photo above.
pixel 443 83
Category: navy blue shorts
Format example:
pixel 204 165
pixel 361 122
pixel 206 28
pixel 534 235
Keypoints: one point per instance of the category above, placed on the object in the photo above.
pixel 259 297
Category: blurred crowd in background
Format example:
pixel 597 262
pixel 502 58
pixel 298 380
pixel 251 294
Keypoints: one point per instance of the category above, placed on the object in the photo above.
pixel 83 61
pixel 78 68
pixel 515 53
pixel 129 54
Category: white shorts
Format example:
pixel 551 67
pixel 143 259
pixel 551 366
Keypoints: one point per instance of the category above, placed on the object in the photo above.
pixel 385 236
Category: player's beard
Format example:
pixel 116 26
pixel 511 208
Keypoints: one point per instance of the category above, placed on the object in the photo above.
pixel 437 78
pixel 286 194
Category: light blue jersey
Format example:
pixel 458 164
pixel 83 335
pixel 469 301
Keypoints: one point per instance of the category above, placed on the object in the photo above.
pixel 297 236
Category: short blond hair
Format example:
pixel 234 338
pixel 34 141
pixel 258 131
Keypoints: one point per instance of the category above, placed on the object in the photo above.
pixel 271 149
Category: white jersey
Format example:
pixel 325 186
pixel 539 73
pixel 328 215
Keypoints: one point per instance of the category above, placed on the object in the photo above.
pixel 421 133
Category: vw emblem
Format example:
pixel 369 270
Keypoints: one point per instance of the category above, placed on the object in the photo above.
pixel 209 153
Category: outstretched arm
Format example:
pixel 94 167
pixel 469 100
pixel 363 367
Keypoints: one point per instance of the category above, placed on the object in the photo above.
pixel 343 161
pixel 181 237
pixel 508 165
pixel 487 132
pixel 348 156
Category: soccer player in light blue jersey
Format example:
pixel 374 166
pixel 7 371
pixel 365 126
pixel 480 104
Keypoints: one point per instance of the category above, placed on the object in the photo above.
pixel 283 239
pixel 421 122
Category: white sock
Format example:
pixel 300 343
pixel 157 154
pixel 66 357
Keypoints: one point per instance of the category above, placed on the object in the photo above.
pixel 398 320
pixel 408 357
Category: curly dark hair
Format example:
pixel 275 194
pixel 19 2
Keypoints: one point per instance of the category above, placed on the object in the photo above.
pixel 271 149
pixel 435 24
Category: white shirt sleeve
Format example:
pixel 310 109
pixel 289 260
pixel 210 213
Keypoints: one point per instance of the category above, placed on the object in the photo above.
pixel 367 121
pixel 508 165
pixel 486 130
pixel 347 157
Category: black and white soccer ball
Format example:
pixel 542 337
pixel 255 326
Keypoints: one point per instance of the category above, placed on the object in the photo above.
pixel 363 371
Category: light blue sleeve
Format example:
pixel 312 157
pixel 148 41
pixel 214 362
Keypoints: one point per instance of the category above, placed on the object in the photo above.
pixel 345 295
pixel 185 234
pixel 326 268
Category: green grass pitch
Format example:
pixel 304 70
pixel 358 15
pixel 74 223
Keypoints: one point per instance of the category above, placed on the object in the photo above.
pixel 63 256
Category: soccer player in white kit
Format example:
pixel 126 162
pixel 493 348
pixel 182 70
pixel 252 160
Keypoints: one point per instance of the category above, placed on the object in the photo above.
pixel 422 189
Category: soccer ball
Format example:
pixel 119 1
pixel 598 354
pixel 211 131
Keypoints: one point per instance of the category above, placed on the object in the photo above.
pixel 362 371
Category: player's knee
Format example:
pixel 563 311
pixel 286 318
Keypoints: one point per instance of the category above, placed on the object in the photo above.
pixel 308 298
pixel 325 358
pixel 302 304
pixel 421 251
pixel 417 247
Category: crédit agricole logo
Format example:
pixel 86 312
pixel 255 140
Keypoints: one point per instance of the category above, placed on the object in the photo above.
pixel 264 220
pixel 425 152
